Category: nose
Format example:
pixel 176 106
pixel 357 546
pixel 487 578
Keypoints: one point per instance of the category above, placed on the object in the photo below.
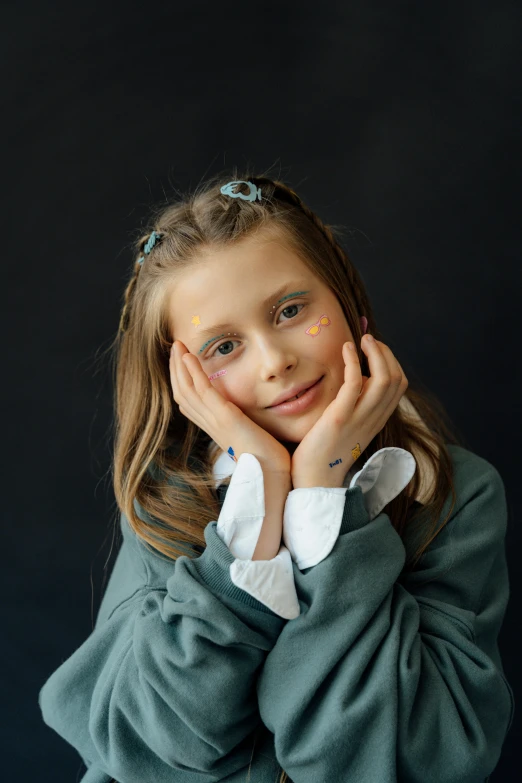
pixel 273 357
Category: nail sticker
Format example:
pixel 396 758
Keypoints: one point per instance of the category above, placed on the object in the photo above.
pixel 314 330
pixel 195 320
pixel 216 375
pixel 230 453
pixel 337 462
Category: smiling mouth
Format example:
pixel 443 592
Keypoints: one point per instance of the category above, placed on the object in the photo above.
pixel 299 395
pixel 296 396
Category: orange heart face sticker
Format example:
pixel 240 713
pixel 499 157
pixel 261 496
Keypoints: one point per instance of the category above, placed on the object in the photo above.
pixel 314 330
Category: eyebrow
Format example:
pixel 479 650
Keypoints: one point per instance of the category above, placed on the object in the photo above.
pixel 265 303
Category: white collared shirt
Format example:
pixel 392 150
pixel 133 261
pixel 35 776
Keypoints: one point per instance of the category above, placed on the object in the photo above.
pixel 311 520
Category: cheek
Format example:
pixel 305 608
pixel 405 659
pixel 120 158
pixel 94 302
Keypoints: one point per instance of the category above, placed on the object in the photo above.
pixel 321 340
pixel 221 383
pixel 217 375
pixel 319 327
pixel 230 387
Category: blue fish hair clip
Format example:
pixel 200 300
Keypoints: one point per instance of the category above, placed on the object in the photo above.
pixel 254 192
pixel 154 237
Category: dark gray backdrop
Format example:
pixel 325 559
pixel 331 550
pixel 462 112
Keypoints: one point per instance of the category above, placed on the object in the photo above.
pixel 399 120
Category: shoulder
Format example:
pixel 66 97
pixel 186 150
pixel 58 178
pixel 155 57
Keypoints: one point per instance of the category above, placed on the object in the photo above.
pixel 467 466
pixel 478 483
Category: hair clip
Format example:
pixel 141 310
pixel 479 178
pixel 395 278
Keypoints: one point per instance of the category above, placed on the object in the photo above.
pixel 254 191
pixel 154 237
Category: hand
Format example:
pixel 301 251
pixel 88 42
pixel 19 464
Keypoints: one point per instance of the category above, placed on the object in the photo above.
pixel 226 424
pixel 360 411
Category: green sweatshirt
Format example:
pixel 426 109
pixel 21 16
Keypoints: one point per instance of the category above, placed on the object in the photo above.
pixel 381 677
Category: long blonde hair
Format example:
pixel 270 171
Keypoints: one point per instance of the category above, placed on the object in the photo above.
pixel 162 469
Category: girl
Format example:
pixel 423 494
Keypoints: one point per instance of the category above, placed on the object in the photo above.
pixel 310 590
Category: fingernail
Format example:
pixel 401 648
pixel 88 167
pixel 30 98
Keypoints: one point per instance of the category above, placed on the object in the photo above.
pixel 369 338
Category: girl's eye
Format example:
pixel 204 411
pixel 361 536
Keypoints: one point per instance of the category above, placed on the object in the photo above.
pixel 227 342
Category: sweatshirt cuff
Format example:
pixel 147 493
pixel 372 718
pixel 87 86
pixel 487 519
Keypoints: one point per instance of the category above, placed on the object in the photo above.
pixel 214 565
pixel 271 582
pixel 314 517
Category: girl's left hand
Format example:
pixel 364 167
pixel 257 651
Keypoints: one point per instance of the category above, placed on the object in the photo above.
pixel 360 411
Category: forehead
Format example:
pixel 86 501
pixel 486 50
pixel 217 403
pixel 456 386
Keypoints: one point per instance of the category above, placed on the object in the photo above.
pixel 247 271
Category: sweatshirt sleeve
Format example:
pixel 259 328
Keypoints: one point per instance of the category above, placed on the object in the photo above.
pixel 312 519
pixel 391 677
pixel 164 689
pixel 239 524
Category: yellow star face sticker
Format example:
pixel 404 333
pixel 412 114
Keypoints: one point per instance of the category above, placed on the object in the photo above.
pixel 196 321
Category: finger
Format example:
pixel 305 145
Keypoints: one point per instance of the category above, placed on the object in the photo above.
pixel 199 380
pixel 399 383
pixel 404 383
pixel 380 380
pixel 353 383
pixel 187 397
pixel 187 394
pixel 396 372
pixel 173 372
pixel 180 376
pixel 201 391
pixel 399 379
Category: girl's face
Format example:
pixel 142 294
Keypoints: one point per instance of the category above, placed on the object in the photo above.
pixel 245 310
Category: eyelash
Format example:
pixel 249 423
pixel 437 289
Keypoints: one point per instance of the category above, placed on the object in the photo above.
pixel 223 355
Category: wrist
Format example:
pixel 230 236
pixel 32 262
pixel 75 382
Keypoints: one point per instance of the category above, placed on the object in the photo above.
pixel 306 482
pixel 277 485
pixel 275 468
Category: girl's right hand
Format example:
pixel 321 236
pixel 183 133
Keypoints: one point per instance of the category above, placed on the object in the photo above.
pixel 226 424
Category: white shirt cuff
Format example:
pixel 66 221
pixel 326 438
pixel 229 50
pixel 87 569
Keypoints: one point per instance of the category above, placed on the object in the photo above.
pixel 312 516
pixel 239 525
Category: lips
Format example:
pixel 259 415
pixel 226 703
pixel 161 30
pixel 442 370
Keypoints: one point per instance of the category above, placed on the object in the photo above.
pixel 285 396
